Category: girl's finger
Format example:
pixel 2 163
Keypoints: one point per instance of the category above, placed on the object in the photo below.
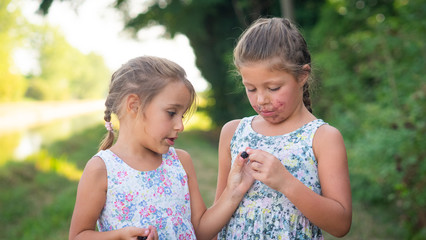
pixel 255 155
pixel 153 233
pixel 256 166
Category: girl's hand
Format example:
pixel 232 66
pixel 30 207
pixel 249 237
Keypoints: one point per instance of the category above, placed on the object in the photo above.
pixel 135 233
pixel 240 177
pixel 153 235
pixel 267 168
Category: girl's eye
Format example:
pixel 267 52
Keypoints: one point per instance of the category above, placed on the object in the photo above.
pixel 171 113
pixel 274 89
pixel 251 90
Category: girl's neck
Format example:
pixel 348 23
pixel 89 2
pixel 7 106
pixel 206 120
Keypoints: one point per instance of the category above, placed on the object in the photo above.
pixel 137 157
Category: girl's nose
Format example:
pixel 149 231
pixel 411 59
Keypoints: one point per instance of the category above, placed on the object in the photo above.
pixel 179 125
pixel 262 98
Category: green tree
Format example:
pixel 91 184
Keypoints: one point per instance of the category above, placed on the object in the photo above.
pixel 373 89
pixel 65 72
pixel 90 78
pixel 12 84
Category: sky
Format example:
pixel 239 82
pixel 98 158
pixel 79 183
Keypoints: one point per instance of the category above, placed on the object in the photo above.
pixel 96 27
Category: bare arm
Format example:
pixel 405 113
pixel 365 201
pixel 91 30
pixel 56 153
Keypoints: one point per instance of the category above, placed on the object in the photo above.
pixel 225 156
pixel 208 222
pixel 91 196
pixel 331 211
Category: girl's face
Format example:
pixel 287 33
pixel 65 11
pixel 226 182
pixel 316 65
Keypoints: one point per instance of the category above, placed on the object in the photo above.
pixel 162 119
pixel 275 95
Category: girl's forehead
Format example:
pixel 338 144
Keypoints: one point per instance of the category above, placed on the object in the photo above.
pixel 263 74
pixel 175 94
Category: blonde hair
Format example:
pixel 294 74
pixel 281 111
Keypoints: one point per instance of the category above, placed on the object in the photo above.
pixel 144 76
pixel 278 42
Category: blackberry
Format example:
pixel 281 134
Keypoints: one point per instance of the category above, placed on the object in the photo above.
pixel 142 238
pixel 244 154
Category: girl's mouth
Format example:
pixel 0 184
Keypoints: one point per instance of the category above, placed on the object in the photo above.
pixel 266 113
pixel 171 141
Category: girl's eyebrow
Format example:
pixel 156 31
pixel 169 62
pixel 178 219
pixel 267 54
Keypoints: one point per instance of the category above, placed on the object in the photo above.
pixel 265 82
pixel 176 105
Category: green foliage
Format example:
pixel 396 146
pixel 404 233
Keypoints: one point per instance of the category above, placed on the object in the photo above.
pixel 372 65
pixel 202 146
pixel 12 85
pixel 65 72
pixel 33 203
pixel 9 142
pixel 36 200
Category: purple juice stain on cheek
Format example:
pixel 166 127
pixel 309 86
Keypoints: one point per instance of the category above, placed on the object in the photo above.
pixel 278 104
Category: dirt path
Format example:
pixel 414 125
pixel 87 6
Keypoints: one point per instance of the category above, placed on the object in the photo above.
pixel 26 114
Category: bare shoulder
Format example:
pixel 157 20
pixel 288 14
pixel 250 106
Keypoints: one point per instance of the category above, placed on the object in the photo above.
pixel 95 164
pixel 229 128
pixel 186 160
pixel 95 171
pixel 328 141
pixel 183 155
pixel 94 176
pixel 231 125
pixel 327 133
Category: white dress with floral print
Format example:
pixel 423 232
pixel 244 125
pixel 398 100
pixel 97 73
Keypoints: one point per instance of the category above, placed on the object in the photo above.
pixel 265 213
pixel 159 198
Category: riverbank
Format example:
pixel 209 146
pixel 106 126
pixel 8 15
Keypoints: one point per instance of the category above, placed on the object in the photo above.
pixel 21 115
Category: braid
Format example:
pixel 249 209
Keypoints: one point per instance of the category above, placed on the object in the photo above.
pixel 306 97
pixel 109 137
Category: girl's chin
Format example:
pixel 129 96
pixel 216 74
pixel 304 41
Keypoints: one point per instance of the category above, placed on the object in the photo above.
pixel 162 150
pixel 273 119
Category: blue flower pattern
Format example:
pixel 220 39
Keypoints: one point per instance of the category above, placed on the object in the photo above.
pixel 159 198
pixel 265 213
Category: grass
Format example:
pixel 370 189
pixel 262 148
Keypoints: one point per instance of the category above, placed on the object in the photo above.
pixel 204 156
pixel 37 198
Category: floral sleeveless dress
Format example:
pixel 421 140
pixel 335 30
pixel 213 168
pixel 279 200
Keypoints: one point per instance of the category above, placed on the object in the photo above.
pixel 265 213
pixel 159 198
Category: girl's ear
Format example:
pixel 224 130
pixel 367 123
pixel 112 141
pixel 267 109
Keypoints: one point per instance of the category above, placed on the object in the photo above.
pixel 304 77
pixel 133 103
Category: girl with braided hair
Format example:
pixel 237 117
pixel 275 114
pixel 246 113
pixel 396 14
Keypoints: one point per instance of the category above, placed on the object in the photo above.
pixel 299 162
pixel 138 186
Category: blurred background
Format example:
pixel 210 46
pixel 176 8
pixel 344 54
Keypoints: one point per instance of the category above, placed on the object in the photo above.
pixel 57 56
